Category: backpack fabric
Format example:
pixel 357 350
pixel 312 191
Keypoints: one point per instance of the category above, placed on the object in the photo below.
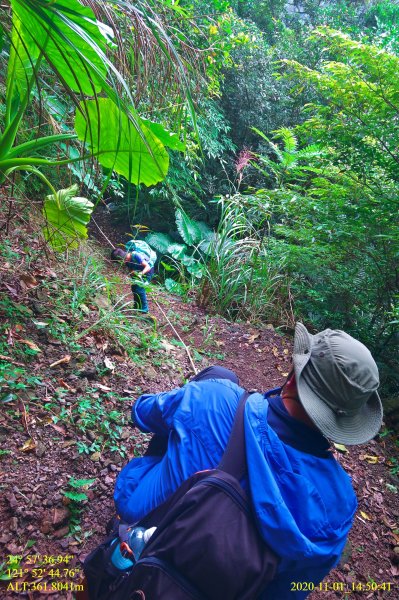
pixel 206 545
pixel 144 249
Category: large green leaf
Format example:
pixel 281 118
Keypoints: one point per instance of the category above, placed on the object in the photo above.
pixel 159 241
pixel 23 57
pixel 188 229
pixel 174 287
pixel 66 218
pixel 69 38
pixel 197 270
pixel 118 145
pixel 169 139
pixel 177 251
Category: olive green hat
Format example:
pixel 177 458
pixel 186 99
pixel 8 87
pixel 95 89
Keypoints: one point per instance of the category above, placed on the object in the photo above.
pixel 337 381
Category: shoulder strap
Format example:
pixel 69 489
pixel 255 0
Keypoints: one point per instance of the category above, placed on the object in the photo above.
pixel 234 459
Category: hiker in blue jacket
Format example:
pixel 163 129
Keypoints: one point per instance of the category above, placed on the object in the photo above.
pixel 139 264
pixel 302 499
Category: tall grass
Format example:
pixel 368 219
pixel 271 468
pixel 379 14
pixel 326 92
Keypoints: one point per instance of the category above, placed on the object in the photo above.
pixel 240 279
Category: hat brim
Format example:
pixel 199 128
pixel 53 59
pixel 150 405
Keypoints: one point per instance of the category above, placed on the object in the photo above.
pixel 343 429
pixel 355 429
pixel 303 342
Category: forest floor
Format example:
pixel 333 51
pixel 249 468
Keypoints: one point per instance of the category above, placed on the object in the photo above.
pixel 65 399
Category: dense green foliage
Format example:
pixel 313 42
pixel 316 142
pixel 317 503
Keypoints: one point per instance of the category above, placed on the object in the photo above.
pixel 312 232
pixel 258 146
pixel 65 39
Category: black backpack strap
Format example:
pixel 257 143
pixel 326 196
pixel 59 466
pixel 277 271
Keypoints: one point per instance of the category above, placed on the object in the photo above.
pixel 234 460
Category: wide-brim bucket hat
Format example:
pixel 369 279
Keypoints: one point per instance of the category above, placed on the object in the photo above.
pixel 337 381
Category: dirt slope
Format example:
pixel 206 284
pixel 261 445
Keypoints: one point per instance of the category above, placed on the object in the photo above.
pixel 48 434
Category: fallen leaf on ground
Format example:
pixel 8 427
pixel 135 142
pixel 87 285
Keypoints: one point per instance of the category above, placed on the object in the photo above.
pixel 11 289
pixel 30 344
pixel 372 460
pixel 253 337
pixel 68 443
pixel 65 385
pixel 167 346
pixel 39 323
pixel 60 430
pixel 395 537
pixel 389 524
pixel 120 359
pixel 63 360
pixel 365 516
pixel 341 448
pixel 109 364
pixel 102 387
pixel 275 351
pixel 28 280
pixel 101 301
pixel 29 446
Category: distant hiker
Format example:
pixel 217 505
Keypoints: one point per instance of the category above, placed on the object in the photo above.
pixel 302 499
pixel 140 259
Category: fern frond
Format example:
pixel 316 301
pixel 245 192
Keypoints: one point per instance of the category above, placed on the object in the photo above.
pixel 309 151
pixel 288 138
pixel 272 144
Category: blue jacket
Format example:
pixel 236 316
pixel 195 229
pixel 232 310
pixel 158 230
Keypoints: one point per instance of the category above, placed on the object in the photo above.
pixel 304 503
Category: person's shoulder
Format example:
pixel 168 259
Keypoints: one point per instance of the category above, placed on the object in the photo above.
pixel 220 390
pixel 223 384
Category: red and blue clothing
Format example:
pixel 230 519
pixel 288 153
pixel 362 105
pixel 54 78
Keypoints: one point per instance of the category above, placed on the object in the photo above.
pixel 302 499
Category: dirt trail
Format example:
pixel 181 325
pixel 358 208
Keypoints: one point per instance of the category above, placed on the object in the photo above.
pixel 36 520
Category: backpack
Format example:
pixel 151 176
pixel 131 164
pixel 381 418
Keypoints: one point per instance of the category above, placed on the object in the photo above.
pixel 142 248
pixel 206 545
